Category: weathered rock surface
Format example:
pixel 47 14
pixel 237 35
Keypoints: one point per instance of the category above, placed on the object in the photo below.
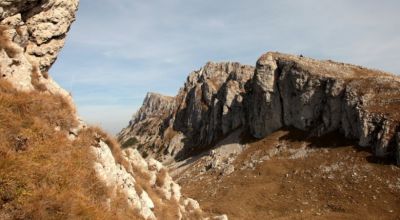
pixel 32 33
pixel 137 174
pixel 282 91
pixel 208 107
pixel 322 97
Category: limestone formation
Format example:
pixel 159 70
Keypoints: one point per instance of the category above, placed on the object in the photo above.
pixel 125 179
pixel 32 33
pixel 281 91
pixel 208 107
pixel 324 96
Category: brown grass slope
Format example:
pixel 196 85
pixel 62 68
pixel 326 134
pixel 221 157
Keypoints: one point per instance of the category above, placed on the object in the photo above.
pixel 331 178
pixel 43 175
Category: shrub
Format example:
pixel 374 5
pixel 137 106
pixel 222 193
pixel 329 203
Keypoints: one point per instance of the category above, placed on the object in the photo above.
pixel 130 142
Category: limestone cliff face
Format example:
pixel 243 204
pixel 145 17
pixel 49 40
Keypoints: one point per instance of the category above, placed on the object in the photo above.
pixel 32 33
pixel 323 96
pixel 146 184
pixel 209 106
pixel 282 91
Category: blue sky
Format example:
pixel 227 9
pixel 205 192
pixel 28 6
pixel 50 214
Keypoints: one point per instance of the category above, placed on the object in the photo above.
pixel 118 50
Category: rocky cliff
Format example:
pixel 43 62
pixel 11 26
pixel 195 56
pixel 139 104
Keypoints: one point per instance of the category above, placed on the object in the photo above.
pixel 208 107
pixel 32 33
pixel 283 90
pixel 42 125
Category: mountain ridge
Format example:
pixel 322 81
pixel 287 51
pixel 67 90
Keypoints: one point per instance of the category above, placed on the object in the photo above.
pixel 333 96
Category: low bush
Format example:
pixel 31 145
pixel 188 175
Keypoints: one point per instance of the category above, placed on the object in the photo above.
pixel 130 142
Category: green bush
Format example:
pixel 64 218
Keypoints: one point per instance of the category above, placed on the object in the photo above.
pixel 130 142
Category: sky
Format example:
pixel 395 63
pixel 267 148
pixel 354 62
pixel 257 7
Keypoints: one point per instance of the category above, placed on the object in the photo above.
pixel 118 50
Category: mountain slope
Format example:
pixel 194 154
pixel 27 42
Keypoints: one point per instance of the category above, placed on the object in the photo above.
pixel 289 175
pixel 209 106
pixel 292 138
pixel 282 91
pixel 52 165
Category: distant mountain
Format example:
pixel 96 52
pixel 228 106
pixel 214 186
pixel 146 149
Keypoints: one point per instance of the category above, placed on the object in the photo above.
pixel 281 91
pixel 52 165
pixel 291 138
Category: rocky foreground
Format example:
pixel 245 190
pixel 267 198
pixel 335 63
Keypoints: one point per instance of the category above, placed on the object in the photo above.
pixel 52 165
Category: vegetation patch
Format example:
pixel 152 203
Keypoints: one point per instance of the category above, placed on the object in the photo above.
pixel 43 175
pixel 130 142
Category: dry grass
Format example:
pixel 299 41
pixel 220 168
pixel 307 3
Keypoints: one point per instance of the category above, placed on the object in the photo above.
pixel 329 68
pixel 160 181
pixel 35 80
pixel 115 147
pixel 164 209
pixel 43 175
pixel 285 188
pixel 6 44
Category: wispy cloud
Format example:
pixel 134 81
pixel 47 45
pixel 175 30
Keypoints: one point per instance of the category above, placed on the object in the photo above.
pixel 119 49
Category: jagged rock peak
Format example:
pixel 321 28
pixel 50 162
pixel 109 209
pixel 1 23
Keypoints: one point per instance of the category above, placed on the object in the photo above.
pixel 283 90
pixel 217 72
pixel 154 105
pixel 206 107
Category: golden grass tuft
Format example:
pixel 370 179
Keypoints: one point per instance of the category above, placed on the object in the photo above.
pixel 35 80
pixel 6 44
pixel 43 175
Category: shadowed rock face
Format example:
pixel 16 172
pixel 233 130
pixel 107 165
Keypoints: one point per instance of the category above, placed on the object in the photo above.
pixel 282 91
pixel 322 97
pixel 208 107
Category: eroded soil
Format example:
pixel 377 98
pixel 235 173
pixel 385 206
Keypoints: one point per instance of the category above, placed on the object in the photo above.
pixel 290 176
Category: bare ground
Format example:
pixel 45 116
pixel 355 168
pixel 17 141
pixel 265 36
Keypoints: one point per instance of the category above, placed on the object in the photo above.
pixel 290 176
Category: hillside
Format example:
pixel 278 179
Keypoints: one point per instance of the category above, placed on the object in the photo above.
pixel 283 90
pixel 52 164
pixel 291 138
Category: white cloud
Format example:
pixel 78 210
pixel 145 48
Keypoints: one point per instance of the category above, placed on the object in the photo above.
pixel 119 49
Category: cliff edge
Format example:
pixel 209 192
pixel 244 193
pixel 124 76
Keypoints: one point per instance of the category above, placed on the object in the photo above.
pixel 283 90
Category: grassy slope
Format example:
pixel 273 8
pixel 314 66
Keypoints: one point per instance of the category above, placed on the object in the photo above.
pixel 43 175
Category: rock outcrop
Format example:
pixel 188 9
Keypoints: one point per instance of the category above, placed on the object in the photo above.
pixel 282 91
pixel 148 187
pixel 322 97
pixel 208 107
pixel 32 33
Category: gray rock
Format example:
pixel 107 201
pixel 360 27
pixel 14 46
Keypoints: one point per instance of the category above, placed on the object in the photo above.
pixel 32 34
pixel 323 96
pixel 282 91
pixel 207 108
pixel 229 170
